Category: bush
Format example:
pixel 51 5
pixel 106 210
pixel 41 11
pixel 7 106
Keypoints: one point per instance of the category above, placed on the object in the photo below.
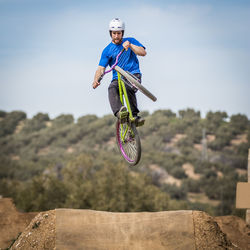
pixel 178 173
pixel 239 123
pixel 214 120
pixel 191 185
pixel 189 114
pixel 177 193
pixel 84 120
pixel 2 114
pixel 224 135
pixel 37 123
pixel 63 120
pixel 10 121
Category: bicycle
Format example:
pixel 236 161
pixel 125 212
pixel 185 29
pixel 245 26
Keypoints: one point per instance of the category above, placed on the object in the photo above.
pixel 127 137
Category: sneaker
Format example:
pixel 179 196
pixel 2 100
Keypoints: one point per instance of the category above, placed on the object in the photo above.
pixel 122 115
pixel 139 121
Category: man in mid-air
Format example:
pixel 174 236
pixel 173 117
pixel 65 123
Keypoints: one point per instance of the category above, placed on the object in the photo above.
pixel 128 61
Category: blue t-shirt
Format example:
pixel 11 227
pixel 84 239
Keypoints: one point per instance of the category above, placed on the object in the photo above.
pixel 127 61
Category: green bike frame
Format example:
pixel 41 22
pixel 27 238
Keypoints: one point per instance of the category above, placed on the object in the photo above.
pixel 123 92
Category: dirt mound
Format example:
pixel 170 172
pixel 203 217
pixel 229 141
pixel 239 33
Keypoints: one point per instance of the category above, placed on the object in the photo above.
pixel 106 230
pixel 236 230
pixel 208 234
pixel 12 222
pixel 40 234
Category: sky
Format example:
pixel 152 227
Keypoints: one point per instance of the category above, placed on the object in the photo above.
pixel 198 54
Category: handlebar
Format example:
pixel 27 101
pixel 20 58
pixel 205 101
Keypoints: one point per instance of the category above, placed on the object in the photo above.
pixel 113 66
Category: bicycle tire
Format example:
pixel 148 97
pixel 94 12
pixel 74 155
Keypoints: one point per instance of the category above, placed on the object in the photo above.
pixel 130 146
pixel 135 83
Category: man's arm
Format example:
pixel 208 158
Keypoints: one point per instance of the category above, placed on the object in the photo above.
pixel 100 70
pixel 138 50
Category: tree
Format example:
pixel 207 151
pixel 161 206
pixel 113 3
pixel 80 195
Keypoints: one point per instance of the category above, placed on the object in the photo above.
pixel 167 112
pixel 37 123
pixel 2 114
pixel 214 120
pixel 224 134
pixel 239 123
pixel 63 120
pixel 10 121
pixel 189 114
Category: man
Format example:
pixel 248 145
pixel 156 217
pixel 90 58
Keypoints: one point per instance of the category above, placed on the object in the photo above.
pixel 128 61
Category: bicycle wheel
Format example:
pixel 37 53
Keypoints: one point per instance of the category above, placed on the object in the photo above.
pixel 135 83
pixel 128 142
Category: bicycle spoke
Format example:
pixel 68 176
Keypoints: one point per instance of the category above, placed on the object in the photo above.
pixel 132 154
pixel 132 150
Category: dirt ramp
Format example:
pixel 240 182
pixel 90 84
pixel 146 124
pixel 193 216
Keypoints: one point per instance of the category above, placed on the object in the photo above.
pixel 86 229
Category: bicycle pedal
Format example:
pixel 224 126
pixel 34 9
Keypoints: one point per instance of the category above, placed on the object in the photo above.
pixel 123 116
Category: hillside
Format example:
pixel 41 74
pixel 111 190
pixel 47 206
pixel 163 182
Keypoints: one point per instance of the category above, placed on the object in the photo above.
pixel 188 162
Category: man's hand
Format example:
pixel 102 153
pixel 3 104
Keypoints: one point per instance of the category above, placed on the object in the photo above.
pixel 126 45
pixel 140 51
pixel 95 84
pixel 98 76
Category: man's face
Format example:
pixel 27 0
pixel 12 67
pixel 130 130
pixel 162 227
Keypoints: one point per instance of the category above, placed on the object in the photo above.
pixel 116 37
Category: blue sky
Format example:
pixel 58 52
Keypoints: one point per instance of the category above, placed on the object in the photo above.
pixel 198 54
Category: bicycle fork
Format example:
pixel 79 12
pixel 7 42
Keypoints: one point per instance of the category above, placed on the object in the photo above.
pixel 123 92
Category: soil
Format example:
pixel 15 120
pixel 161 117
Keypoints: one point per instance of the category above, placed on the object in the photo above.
pixel 12 222
pixel 208 234
pixel 40 234
pixel 236 230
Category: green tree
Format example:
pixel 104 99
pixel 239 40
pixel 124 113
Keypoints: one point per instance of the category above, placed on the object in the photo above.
pixel 239 123
pixel 224 134
pixel 10 121
pixel 42 193
pixel 214 120
pixel 2 114
pixel 37 123
pixel 189 114
pixel 63 120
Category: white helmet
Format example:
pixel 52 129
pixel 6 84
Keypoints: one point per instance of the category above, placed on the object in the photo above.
pixel 116 25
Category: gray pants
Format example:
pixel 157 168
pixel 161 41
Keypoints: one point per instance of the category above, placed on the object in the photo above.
pixel 114 98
